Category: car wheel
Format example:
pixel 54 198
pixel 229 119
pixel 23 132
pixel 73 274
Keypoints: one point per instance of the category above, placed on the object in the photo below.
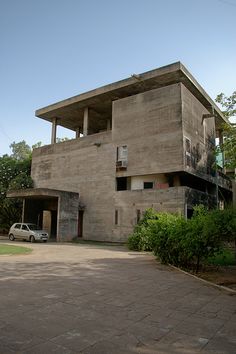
pixel 32 239
pixel 11 237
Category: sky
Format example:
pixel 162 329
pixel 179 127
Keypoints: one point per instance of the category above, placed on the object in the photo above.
pixel 51 50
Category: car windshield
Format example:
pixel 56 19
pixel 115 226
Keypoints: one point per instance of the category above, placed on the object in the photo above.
pixel 33 227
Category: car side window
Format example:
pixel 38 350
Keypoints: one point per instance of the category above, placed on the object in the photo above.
pixel 17 226
pixel 24 227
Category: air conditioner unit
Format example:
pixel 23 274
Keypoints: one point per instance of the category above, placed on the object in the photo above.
pixel 122 163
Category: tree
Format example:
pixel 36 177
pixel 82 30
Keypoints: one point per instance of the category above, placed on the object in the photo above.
pixel 14 174
pixel 20 151
pixel 229 145
pixel 229 103
pixel 229 130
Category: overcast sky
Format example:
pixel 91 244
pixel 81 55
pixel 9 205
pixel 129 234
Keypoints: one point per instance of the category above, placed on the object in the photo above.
pixel 53 49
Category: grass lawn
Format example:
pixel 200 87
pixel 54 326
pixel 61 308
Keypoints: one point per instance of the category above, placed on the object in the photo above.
pixel 9 250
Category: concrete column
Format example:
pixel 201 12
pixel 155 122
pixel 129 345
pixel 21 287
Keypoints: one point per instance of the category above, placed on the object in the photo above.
pixel 23 211
pixel 86 122
pixel 54 131
pixel 77 133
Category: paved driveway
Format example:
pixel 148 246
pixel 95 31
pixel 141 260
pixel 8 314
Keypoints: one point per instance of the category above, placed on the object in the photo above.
pixel 104 299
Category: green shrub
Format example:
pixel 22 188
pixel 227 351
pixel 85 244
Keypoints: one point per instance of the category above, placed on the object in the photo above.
pixel 225 221
pixel 140 239
pixel 164 233
pixel 202 239
pixel 181 242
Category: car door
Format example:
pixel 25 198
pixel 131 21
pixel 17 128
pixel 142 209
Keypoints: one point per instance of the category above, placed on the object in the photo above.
pixel 17 231
pixel 24 231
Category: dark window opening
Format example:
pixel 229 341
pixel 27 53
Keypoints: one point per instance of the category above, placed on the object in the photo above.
pixel 170 179
pixel 138 212
pixel 80 223
pixel 116 217
pixel 147 185
pixel 121 184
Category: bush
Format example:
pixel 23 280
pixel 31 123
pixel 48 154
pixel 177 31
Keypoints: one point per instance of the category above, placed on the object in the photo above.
pixel 165 233
pixel 181 242
pixel 140 239
pixel 203 238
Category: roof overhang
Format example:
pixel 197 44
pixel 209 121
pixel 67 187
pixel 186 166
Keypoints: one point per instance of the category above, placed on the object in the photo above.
pixel 69 112
pixel 39 193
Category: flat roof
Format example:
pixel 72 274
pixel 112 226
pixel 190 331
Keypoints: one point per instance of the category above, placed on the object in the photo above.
pixel 69 112
pixel 39 193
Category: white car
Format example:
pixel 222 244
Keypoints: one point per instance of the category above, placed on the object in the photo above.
pixel 28 232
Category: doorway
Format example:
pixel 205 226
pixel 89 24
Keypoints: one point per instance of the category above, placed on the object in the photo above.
pixel 80 223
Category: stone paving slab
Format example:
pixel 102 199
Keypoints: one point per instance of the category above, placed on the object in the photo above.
pixel 87 299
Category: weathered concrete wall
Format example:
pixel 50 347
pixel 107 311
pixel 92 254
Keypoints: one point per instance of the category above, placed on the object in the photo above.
pixel 67 223
pixel 80 166
pixel 201 133
pixel 128 202
pixel 150 125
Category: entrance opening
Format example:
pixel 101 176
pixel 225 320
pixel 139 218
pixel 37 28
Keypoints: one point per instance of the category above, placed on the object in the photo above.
pixel 80 223
pixel 53 224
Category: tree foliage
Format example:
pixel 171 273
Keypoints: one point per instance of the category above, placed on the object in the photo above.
pixel 229 145
pixel 229 103
pixel 14 174
pixel 229 130
pixel 20 151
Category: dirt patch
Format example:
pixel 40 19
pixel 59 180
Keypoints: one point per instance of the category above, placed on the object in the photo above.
pixel 220 275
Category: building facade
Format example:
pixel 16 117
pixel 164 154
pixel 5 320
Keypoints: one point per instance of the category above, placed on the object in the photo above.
pixel 146 141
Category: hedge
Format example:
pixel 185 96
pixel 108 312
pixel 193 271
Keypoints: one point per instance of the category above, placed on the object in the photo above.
pixel 184 243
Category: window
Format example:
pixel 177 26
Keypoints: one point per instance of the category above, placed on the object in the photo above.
pixel 17 226
pixel 188 152
pixel 121 158
pixel 24 227
pixel 138 215
pixel 121 184
pixel 122 153
pixel 148 185
pixel 116 217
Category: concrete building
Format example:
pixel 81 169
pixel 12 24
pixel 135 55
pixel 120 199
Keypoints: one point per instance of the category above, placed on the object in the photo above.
pixel 146 141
